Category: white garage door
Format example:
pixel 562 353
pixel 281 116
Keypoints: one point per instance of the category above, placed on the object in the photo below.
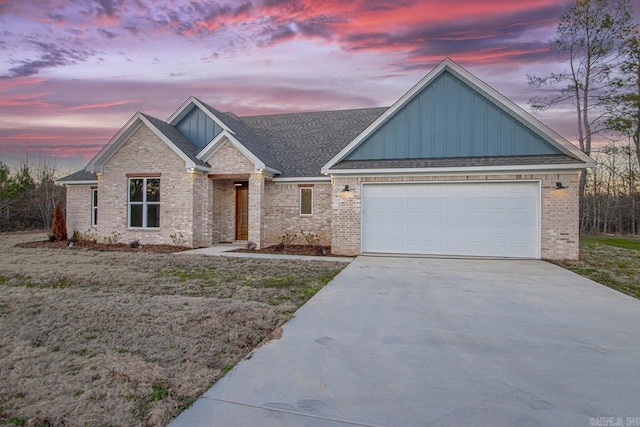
pixel 498 219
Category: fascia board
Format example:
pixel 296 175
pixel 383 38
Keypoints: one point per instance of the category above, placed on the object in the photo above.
pixel 212 147
pixel 76 182
pixel 473 169
pixel 387 114
pixel 114 144
pixel 217 142
pixel 303 179
pixel 188 162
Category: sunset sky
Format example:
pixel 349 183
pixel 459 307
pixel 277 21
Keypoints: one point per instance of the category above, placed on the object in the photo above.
pixel 73 72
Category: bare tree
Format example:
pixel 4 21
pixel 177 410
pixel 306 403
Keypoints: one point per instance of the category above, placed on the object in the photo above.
pixel 588 37
pixel 625 102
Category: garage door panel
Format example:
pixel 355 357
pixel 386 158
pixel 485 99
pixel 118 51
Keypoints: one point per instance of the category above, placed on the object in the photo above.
pixel 478 219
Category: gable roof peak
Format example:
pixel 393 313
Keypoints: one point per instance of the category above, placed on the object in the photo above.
pixel 477 85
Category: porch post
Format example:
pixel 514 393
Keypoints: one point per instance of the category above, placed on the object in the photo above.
pixel 256 208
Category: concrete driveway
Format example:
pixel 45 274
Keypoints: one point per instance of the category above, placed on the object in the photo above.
pixel 441 342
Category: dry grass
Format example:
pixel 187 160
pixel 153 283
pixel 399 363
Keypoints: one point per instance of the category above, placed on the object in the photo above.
pixel 117 338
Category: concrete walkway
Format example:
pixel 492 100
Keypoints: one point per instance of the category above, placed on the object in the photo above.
pixel 441 342
pixel 224 250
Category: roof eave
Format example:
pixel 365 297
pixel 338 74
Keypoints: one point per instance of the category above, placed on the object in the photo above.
pixel 224 136
pixel 86 182
pixel 457 170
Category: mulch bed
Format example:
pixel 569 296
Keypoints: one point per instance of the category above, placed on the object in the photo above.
pixel 119 247
pixel 289 250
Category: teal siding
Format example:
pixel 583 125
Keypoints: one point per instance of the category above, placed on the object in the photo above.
pixel 199 127
pixel 449 119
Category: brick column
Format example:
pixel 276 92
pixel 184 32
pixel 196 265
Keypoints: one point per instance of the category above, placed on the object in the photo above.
pixel 256 208
pixel 345 230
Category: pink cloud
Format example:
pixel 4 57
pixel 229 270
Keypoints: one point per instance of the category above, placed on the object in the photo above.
pixel 101 105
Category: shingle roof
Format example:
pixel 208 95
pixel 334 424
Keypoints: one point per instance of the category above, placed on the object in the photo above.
pixel 551 159
pixel 301 143
pixel 174 135
pixel 245 136
pixel 79 176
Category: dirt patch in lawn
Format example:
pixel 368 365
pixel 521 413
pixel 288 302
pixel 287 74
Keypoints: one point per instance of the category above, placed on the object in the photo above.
pixel 132 338
pixel 309 250
pixel 95 246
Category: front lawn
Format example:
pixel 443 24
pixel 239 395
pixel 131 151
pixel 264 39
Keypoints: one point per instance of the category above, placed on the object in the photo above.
pixel 122 338
pixel 613 261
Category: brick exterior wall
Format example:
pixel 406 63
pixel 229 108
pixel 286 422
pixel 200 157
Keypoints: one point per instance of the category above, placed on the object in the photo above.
pixel 144 153
pixel 203 209
pixel 282 213
pixel 559 210
pixel 79 209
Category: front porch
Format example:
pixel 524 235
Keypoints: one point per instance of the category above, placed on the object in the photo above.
pixel 236 208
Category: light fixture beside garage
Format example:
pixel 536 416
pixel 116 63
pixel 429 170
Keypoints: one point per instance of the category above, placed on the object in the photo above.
pixel 346 192
pixel 559 186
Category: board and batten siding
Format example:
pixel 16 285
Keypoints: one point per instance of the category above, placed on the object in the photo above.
pixel 450 119
pixel 199 127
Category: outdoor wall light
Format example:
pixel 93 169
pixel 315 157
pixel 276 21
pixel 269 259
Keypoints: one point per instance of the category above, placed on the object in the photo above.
pixel 346 188
pixel 559 186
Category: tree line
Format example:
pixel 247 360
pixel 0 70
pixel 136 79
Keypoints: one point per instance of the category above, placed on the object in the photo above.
pixel 599 42
pixel 28 197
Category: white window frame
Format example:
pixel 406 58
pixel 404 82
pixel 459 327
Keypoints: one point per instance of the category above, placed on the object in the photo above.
pixel 300 199
pixel 144 203
pixel 94 207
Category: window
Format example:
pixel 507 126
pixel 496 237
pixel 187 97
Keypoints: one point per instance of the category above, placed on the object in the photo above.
pixel 94 207
pixel 144 202
pixel 306 201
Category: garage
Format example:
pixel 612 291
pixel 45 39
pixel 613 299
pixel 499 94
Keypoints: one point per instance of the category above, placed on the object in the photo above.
pixel 496 219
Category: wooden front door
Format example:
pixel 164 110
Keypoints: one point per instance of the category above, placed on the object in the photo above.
pixel 242 212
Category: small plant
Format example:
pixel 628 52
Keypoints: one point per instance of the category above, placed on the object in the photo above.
pixel 112 238
pixel 52 237
pixel 160 391
pixel 287 238
pixel 251 246
pixel 76 236
pixel 312 239
pixel 320 250
pixel 88 236
pixel 135 244
pixel 59 228
pixel 178 239
pixel 280 247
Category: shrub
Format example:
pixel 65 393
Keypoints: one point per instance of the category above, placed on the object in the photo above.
pixel 311 238
pixel 76 236
pixel 287 238
pixel 52 237
pixel 320 250
pixel 178 239
pixel 280 247
pixel 113 238
pixel 251 246
pixel 88 236
pixel 135 244
pixel 59 228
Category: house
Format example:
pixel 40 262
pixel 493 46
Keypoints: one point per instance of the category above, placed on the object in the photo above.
pixel 452 168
